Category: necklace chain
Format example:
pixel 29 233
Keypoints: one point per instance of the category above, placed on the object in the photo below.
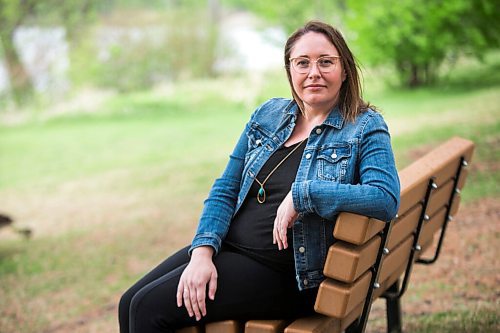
pixel 261 194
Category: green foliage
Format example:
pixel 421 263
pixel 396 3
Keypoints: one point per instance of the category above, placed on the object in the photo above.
pixel 70 13
pixel 175 44
pixel 292 14
pixel 417 36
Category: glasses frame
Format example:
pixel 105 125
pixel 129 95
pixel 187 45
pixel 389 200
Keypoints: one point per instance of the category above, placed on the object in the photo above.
pixel 314 62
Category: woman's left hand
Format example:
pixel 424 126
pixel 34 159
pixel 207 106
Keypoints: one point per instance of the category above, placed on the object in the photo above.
pixel 285 217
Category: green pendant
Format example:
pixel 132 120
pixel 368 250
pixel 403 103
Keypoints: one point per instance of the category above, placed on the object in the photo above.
pixel 261 195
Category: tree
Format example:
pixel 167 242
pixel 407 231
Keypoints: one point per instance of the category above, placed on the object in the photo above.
pixel 292 14
pixel 416 36
pixel 14 13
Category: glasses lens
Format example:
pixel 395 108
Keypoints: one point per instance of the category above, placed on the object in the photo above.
pixel 303 65
pixel 326 64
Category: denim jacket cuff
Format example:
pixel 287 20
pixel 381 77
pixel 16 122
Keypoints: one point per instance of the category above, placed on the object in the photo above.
pixel 204 240
pixel 301 199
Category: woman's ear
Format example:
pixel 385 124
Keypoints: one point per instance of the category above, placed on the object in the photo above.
pixel 344 75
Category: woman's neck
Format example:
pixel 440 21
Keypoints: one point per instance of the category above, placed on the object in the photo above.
pixel 315 116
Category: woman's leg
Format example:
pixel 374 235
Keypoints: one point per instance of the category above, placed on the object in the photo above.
pixel 180 258
pixel 245 289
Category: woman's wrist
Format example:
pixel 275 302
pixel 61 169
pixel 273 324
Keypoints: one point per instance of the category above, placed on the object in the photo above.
pixel 204 251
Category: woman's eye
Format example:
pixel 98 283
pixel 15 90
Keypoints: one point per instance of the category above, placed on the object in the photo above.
pixel 325 62
pixel 303 63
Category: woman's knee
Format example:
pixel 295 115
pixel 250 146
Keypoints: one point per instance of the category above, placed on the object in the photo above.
pixel 124 310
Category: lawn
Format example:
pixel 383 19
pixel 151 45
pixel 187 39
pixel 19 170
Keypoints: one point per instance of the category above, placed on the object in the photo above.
pixel 111 191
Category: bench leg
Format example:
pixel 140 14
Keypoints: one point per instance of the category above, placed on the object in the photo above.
pixel 394 323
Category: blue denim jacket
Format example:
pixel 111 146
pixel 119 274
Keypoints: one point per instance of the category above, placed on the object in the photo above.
pixel 346 166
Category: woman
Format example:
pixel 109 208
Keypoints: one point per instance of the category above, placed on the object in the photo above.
pixel 267 224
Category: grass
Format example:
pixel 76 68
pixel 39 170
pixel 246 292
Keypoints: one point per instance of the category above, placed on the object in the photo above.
pixel 474 321
pixel 110 193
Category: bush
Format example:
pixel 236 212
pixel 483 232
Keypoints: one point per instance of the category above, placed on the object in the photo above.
pixel 175 45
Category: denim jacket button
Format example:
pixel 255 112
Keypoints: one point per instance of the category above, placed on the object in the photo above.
pixel 305 282
pixel 308 156
pixel 258 142
pixel 302 249
pixel 318 131
pixel 334 155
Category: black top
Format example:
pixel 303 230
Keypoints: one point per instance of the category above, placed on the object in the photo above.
pixel 251 230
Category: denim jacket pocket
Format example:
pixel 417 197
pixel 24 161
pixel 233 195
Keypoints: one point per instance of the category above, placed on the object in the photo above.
pixel 333 162
pixel 257 138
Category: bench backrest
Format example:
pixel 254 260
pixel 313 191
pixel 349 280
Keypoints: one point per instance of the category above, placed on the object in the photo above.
pixel 430 196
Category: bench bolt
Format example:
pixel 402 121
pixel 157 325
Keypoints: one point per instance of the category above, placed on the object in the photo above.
pixel 464 163
pixel 376 285
pixel 450 218
pixel 457 190
pixel 434 186
pixel 385 251
pixel 418 248
pixel 426 217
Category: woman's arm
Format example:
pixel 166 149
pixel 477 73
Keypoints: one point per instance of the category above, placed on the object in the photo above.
pixel 377 193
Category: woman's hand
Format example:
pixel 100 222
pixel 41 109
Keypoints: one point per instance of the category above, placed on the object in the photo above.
pixel 193 282
pixel 285 217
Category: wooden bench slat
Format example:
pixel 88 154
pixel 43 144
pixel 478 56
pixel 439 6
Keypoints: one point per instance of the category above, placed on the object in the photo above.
pixel 440 197
pixel 265 326
pixel 226 326
pixel 404 226
pixel 440 163
pixel 395 258
pixel 455 204
pixel 432 226
pixel 413 189
pixel 315 324
pixel 391 279
pixel 463 177
pixel 191 329
pixel 336 299
pixel 425 246
pixel 346 262
pixel 356 229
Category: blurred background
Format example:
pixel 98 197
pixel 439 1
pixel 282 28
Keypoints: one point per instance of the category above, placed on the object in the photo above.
pixel 117 115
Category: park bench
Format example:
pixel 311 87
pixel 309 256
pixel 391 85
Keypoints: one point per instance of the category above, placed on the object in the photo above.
pixel 371 258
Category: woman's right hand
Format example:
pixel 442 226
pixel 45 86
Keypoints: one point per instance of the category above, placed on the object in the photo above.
pixel 193 282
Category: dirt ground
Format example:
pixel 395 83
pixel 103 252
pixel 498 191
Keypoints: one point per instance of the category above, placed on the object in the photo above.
pixel 466 276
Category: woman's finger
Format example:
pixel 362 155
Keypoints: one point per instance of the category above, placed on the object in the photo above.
pixel 187 301
pixel 193 295
pixel 200 301
pixel 180 289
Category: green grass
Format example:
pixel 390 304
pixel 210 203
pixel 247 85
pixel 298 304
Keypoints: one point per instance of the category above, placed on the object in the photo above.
pixel 475 321
pixel 127 182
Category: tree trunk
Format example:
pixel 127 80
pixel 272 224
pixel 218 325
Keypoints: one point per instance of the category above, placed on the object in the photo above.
pixel 415 78
pixel 20 83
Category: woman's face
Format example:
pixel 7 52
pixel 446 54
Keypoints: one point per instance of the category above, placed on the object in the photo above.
pixel 318 90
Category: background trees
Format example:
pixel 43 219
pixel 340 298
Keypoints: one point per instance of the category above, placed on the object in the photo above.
pixel 416 37
pixel 69 13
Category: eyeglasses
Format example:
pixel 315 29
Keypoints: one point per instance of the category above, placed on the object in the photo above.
pixel 303 65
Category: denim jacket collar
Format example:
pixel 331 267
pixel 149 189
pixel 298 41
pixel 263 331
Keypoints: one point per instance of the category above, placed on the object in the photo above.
pixel 334 119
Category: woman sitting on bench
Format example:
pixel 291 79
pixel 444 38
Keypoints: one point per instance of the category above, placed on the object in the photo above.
pixel 268 221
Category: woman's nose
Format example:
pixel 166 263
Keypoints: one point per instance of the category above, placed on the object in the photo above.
pixel 314 71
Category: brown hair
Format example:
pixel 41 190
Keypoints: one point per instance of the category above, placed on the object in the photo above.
pixel 351 103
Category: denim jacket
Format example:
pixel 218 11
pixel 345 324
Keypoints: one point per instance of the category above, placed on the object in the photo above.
pixel 346 166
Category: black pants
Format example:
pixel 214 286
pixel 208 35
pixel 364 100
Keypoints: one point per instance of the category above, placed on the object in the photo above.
pixel 246 289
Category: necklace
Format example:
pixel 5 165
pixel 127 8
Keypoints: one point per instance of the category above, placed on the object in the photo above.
pixel 261 194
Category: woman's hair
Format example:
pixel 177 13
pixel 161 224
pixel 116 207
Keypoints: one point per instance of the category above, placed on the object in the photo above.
pixel 351 103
